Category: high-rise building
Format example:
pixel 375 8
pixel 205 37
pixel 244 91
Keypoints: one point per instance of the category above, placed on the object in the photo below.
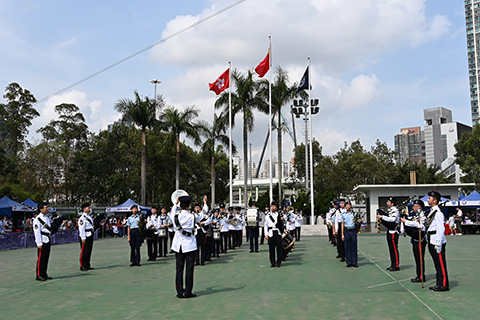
pixel 472 19
pixel 434 118
pixel 408 145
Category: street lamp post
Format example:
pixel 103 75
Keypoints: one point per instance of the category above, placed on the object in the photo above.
pixel 155 82
pixel 307 108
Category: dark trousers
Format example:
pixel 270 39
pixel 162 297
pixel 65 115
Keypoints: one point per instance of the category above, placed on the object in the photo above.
pixel 330 233
pixel 340 245
pixel 225 236
pixel 440 261
pixel 200 255
pixel 392 240
pixel 297 233
pixel 184 261
pixel 419 259
pixel 135 243
pixel 262 236
pixel 209 247
pixel 247 233
pixel 231 239
pixel 217 244
pixel 162 246
pixel 240 237
pixel 86 252
pixel 275 244
pixel 253 238
pixel 351 246
pixel 152 247
pixel 42 260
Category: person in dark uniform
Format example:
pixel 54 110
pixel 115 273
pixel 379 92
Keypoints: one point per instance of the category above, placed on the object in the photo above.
pixel 254 232
pixel 265 212
pixel 151 234
pixel 164 222
pixel 42 228
pixel 273 234
pixel 349 236
pixel 134 238
pixel 437 242
pixel 85 231
pixel 391 220
pixel 415 228
pixel 185 245
pixel 337 232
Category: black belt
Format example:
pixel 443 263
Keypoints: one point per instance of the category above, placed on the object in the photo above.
pixel 89 230
pixel 350 229
pixel 45 234
pixel 186 233
pixel 133 228
pixel 432 232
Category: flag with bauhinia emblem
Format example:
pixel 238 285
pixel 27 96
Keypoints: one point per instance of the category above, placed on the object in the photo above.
pixel 221 83
pixel 304 82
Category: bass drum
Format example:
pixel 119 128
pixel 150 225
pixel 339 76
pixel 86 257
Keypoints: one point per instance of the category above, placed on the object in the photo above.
pixel 287 240
pixel 252 217
pixel 162 232
pixel 216 234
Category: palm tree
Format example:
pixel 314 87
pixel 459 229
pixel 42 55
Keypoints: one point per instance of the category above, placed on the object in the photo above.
pixel 142 113
pixel 282 94
pixel 214 134
pixel 245 100
pixel 175 123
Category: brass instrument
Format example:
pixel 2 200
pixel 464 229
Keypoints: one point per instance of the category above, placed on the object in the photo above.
pixel 233 222
pixel 176 194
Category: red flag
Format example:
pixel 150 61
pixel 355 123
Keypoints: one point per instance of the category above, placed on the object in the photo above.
pixel 264 66
pixel 221 83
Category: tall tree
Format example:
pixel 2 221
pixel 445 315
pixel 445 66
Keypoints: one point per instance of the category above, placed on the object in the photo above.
pixel 468 155
pixel 68 134
pixel 15 117
pixel 175 123
pixel 246 99
pixel 282 94
pixel 141 112
pixel 215 135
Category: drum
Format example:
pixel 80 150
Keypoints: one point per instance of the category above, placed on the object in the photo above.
pixel 287 240
pixel 252 217
pixel 162 232
pixel 216 234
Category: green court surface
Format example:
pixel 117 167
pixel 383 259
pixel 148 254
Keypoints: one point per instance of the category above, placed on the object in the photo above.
pixel 311 284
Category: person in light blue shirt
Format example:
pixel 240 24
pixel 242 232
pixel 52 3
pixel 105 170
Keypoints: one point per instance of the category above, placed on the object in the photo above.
pixel 134 237
pixel 1 227
pixel 349 236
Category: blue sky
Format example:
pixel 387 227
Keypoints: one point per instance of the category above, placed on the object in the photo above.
pixel 376 64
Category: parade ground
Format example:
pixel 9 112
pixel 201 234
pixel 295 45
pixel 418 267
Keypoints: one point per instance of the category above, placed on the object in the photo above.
pixel 311 284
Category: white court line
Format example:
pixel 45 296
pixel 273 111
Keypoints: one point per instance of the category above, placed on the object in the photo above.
pixel 387 283
pixel 396 281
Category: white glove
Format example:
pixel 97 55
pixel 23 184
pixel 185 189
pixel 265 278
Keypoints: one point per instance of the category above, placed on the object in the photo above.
pixel 438 248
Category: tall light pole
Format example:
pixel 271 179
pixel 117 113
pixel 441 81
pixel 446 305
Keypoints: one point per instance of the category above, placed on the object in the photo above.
pixel 155 82
pixel 307 108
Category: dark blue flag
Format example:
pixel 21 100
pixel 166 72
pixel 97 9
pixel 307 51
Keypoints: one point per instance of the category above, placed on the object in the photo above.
pixel 304 82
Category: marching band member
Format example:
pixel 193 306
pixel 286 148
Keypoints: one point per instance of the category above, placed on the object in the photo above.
pixel 171 232
pixel 238 227
pixel 336 229
pixel 298 224
pixel 329 218
pixel 254 232
pixel 391 221
pixel 262 236
pixel 224 228
pixel 202 221
pixel 231 229
pixel 437 242
pixel 273 234
pixel 42 230
pixel 416 230
pixel 291 223
pixel 152 236
pixel 163 221
pixel 134 238
pixel 85 231
pixel 184 244
pixel 349 236
pixel 215 224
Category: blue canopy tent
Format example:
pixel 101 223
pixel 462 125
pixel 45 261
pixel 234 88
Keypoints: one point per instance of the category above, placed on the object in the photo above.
pixel 125 208
pixel 29 202
pixel 472 200
pixel 7 205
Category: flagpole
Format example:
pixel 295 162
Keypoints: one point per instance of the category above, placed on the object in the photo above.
pixel 230 131
pixel 270 114
pixel 311 144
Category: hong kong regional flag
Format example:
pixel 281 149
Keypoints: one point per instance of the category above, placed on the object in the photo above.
pixel 264 66
pixel 221 83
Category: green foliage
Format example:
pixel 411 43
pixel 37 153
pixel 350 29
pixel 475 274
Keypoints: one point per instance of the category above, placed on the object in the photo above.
pixel 468 155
